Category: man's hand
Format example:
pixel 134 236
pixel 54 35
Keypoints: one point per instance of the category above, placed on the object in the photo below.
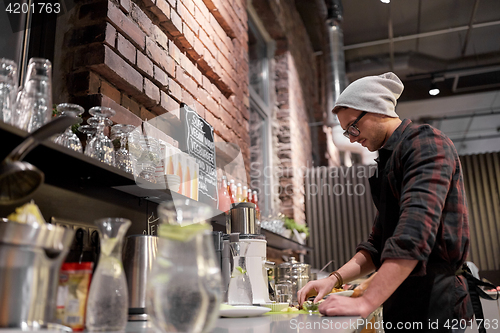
pixel 318 288
pixel 336 305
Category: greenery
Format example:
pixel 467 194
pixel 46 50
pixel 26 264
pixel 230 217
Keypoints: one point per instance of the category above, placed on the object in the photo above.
pixel 56 113
pixel 291 224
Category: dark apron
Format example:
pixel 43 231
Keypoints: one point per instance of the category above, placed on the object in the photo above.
pixel 421 303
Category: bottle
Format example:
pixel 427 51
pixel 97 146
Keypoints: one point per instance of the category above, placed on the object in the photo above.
pixel 224 198
pixel 249 195
pixel 255 200
pixel 231 189
pixel 245 194
pixel 239 193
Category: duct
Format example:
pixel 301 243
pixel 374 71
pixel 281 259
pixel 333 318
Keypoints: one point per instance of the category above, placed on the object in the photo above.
pixel 336 81
pixel 336 61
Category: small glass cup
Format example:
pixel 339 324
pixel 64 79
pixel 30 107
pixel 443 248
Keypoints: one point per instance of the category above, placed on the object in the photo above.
pixel 8 89
pixel 69 139
pixel 100 146
pixel 283 292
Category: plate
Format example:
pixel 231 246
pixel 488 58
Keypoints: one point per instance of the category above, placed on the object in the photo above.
pixel 346 293
pixel 242 311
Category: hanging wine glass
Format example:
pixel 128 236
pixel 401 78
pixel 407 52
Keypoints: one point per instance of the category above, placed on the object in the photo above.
pixel 122 155
pixel 100 146
pixel 89 132
pixel 69 139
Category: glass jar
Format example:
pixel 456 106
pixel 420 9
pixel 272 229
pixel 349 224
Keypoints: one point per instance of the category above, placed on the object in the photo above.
pixel 184 288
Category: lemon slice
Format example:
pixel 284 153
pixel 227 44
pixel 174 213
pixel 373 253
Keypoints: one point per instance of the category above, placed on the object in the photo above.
pixel 182 233
pixel 28 213
pixel 238 271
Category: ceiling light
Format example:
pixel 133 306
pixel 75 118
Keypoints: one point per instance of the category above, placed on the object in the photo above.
pixel 433 91
pixel 385 1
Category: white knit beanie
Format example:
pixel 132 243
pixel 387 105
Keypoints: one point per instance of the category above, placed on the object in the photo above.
pixel 376 94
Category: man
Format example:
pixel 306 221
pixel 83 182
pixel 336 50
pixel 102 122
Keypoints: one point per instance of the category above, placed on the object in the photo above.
pixel 420 236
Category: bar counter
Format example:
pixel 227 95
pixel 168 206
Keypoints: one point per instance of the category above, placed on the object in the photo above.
pixel 276 323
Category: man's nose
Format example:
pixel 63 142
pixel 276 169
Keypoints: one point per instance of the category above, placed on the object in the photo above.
pixel 352 138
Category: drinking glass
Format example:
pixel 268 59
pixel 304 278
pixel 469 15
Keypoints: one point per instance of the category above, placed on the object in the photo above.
pixel 283 292
pixel 8 89
pixel 184 287
pixel 100 146
pixel 34 101
pixel 89 132
pixel 107 305
pixel 69 139
pixel 122 155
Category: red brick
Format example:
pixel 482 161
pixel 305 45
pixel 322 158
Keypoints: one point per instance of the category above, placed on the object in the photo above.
pixel 130 104
pixel 112 67
pixel 169 104
pixel 151 90
pixel 189 4
pixel 146 114
pixel 160 76
pixel 122 115
pixel 176 21
pixel 187 98
pixel 126 26
pixel 174 51
pixel 186 40
pixel 160 57
pixel 163 10
pixel 201 10
pixel 205 39
pixel 94 83
pixel 125 48
pixel 175 89
pixel 188 18
pixel 197 75
pixel 200 109
pixel 160 37
pixel 110 35
pixel 186 64
pixel 187 82
pixel 173 3
pixel 110 91
pixel 126 6
pixel 145 64
pixel 142 20
pixel 198 47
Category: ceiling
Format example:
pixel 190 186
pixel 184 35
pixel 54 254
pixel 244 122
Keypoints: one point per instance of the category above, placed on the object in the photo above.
pixel 453 44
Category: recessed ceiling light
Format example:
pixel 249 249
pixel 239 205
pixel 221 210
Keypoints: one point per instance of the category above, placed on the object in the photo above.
pixel 433 91
pixel 385 1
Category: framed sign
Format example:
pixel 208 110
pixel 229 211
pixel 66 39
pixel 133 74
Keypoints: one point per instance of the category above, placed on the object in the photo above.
pixel 199 144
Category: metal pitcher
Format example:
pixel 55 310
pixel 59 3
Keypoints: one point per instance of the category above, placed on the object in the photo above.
pixel 30 260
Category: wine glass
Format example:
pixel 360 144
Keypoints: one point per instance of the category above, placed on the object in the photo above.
pixel 122 155
pixel 8 89
pixel 100 146
pixel 69 139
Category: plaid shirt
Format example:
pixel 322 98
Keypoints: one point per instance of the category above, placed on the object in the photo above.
pixel 423 172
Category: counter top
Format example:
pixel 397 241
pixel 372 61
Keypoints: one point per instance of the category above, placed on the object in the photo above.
pixel 275 323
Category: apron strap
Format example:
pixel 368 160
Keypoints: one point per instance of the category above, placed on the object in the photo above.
pixel 475 293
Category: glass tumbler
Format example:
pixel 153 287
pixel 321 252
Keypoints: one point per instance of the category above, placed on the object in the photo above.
pixel 184 287
pixel 34 101
pixel 8 89
pixel 100 146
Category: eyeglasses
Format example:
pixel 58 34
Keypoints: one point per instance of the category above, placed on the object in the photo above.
pixel 353 129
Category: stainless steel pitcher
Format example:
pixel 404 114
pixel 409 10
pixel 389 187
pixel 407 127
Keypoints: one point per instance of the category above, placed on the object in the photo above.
pixel 30 260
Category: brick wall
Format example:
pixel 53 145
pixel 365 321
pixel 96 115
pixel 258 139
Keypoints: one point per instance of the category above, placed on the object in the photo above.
pixel 144 57
pixel 295 82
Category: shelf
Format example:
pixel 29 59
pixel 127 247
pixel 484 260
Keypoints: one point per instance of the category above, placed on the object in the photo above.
pixel 66 170
pixel 282 243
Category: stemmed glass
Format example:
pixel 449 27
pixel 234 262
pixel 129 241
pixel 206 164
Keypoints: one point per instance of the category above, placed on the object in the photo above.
pixel 8 89
pixel 69 139
pixel 34 101
pixel 100 146
pixel 122 155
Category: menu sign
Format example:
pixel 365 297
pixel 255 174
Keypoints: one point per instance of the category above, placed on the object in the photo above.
pixel 199 143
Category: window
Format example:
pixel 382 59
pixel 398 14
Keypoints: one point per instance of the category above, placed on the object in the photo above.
pixel 259 49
